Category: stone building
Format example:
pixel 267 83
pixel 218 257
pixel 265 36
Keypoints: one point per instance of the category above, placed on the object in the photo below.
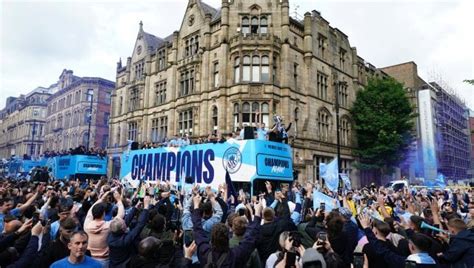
pixel 69 112
pixel 224 65
pixel 22 124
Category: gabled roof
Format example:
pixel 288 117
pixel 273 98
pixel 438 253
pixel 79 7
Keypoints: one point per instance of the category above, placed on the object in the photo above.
pixel 208 9
pixel 217 15
pixel 152 41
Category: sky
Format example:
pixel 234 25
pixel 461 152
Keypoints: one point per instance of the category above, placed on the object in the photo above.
pixel 38 39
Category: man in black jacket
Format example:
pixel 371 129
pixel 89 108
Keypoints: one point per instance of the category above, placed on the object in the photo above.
pixel 120 241
pixel 270 231
pixel 461 246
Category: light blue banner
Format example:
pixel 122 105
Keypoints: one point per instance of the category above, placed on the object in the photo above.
pixel 245 161
pixel 319 198
pixel 329 172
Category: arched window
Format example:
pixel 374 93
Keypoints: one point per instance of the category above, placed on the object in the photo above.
pixel 263 25
pixel 255 69
pixel 265 69
pixel 191 81
pixel 84 139
pixel 323 125
pixel 246 113
pixel 345 131
pixel 186 52
pixel 214 118
pixel 254 26
pixel 245 25
pixel 196 45
pixel 255 110
pixel 265 114
pixel 237 70
pixel 87 116
pixel 296 116
pixel 236 116
pixel 246 69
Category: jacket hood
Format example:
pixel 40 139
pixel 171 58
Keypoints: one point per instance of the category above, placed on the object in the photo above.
pixel 96 227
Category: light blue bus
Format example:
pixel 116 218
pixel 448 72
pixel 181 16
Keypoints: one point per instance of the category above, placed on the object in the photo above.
pixel 17 167
pixel 77 167
pixel 249 162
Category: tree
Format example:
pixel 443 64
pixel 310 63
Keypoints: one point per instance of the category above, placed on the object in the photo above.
pixel 383 118
pixel 469 81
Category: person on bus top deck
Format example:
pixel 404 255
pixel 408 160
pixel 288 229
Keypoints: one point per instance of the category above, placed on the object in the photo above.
pixel 186 140
pixel 241 133
pixel 173 142
pixel 261 130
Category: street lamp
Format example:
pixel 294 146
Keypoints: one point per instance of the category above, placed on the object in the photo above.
pixel 90 94
pixel 337 86
pixel 33 130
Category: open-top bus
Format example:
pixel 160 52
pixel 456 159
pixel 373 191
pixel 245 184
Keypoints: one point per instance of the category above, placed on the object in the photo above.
pixel 248 162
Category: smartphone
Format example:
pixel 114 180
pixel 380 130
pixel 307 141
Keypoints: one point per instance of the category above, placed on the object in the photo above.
pixel 322 206
pixel 188 238
pixel 290 259
pixel 323 236
pixel 35 219
pixel 358 261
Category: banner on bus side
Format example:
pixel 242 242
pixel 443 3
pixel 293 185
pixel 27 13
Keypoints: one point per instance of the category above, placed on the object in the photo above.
pixel 207 163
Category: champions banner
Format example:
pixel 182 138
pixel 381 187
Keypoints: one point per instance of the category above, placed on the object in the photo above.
pixel 245 161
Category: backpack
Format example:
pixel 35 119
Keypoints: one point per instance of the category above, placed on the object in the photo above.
pixel 211 264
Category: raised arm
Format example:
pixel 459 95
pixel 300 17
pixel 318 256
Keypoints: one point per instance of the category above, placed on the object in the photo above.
pixel 89 212
pixel 296 214
pixel 186 220
pixel 200 236
pixel 217 215
pixel 28 203
pixel 247 245
pixel 121 209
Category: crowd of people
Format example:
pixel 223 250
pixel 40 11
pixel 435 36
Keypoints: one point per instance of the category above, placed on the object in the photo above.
pixel 107 224
pixel 80 150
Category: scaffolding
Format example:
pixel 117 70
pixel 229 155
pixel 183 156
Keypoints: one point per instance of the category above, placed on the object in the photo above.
pixel 453 145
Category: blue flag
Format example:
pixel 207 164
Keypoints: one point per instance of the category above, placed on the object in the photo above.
pixel 346 181
pixel 230 186
pixel 329 172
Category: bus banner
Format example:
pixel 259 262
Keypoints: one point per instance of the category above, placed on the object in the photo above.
pixel 245 161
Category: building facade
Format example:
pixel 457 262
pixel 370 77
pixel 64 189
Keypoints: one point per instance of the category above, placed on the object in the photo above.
pixel 442 138
pixel 78 101
pixel 454 147
pixel 223 66
pixel 471 131
pixel 22 124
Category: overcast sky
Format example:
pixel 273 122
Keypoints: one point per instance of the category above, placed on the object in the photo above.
pixel 41 38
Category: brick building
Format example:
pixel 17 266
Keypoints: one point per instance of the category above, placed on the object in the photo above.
pixel 69 112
